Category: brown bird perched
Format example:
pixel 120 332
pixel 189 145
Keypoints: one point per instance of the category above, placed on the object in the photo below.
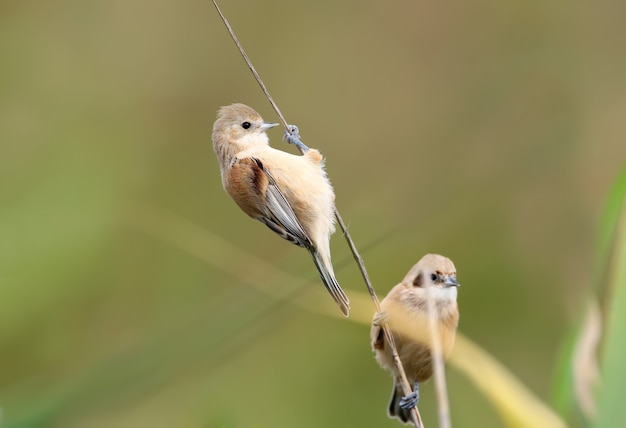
pixel 290 194
pixel 405 312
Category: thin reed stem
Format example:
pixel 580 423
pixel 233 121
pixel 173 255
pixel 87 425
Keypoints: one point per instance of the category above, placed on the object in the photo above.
pixel 251 67
pixel 436 354
pixel 406 387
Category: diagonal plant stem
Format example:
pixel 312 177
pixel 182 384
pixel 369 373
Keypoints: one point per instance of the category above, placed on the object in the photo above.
pixel 251 67
pixel 406 387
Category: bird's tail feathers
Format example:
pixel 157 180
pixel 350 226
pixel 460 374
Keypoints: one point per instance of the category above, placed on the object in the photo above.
pixel 330 282
pixel 395 411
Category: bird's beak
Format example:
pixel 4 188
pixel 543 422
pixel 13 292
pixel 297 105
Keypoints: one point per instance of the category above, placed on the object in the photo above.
pixel 266 126
pixel 450 281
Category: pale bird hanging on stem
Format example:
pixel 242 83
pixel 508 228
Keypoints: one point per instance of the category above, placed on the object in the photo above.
pixel 405 312
pixel 290 194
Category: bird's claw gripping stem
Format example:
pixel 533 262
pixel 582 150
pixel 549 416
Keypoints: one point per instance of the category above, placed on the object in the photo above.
pixel 381 318
pixel 292 136
pixel 412 399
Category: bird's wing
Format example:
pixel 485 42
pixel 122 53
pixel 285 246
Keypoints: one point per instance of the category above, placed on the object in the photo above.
pixel 377 336
pixel 282 218
pixel 256 192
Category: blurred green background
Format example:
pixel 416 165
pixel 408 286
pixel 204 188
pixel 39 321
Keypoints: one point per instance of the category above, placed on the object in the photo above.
pixel 489 132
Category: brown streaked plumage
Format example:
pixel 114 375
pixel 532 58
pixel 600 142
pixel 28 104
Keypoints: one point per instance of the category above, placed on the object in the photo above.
pixel 404 310
pixel 290 194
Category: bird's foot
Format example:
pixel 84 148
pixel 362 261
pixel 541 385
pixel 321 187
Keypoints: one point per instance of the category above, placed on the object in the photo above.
pixel 410 400
pixel 381 318
pixel 292 136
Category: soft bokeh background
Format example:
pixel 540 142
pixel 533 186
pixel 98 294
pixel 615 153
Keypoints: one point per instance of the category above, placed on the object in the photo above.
pixel 131 285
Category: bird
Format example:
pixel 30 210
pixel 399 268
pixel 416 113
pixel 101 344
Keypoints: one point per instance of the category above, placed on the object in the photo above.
pixel 290 194
pixel 405 311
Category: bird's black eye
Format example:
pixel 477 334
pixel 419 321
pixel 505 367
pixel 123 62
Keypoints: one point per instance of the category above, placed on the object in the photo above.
pixel 433 276
pixel 246 125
